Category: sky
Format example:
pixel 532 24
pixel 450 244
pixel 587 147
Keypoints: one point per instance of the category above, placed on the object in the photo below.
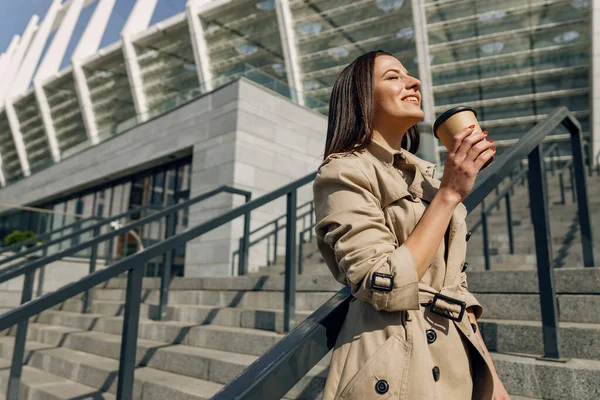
pixel 16 15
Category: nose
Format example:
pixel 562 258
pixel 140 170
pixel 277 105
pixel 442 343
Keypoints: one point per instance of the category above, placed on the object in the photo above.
pixel 413 83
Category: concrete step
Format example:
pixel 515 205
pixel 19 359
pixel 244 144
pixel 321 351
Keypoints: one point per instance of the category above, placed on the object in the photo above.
pixel 526 376
pixel 226 338
pixel 222 298
pixel 197 362
pixel 522 375
pixel 153 359
pixel 573 307
pixel 577 340
pixel 41 385
pixel 568 280
pixel 580 281
pixel 267 319
pixel 101 373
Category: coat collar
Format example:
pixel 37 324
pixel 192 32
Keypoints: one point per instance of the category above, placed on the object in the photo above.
pixel 396 157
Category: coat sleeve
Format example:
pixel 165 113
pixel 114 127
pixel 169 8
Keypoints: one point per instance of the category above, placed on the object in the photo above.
pixel 355 242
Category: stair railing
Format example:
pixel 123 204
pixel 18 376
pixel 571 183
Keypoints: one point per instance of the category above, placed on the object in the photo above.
pixel 134 266
pixel 272 236
pixel 273 374
pixel 515 178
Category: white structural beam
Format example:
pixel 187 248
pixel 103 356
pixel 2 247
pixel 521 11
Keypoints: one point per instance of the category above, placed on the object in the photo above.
pixel 8 57
pixel 88 45
pixel 29 64
pixel 201 56
pixel 15 130
pixel 288 43
pixel 594 75
pixel 13 69
pixel 138 20
pixel 49 66
pixel 2 178
pixel 428 147
pixel 56 51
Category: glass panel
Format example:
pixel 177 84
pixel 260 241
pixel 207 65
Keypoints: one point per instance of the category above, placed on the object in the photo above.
pixel 331 33
pixel 111 94
pixel 513 61
pixel 168 69
pixel 66 115
pixel 34 134
pixel 244 35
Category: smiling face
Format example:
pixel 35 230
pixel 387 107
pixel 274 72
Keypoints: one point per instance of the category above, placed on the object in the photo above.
pixel 396 96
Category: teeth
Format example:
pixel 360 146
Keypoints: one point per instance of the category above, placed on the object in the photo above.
pixel 412 98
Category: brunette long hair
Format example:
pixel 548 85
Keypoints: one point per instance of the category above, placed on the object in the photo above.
pixel 349 126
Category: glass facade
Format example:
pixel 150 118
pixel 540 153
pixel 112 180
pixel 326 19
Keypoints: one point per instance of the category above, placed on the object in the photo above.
pixel 513 61
pixel 168 68
pixel 161 186
pixel 331 33
pixel 242 36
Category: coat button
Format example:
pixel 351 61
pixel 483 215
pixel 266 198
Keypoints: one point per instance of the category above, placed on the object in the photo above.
pixel 474 327
pixel 464 267
pixel 468 236
pixel 436 373
pixel 431 335
pixel 382 387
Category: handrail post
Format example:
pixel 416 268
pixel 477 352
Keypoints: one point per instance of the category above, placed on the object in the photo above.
pixel 87 296
pixel 245 249
pixel 582 199
pixel 16 367
pixel 511 242
pixel 561 184
pixel 42 274
pixel 289 313
pixel 301 253
pixel 543 251
pixel 275 240
pixel 130 332
pixel 165 280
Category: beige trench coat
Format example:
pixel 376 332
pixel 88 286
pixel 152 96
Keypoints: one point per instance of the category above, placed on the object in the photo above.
pixel 366 204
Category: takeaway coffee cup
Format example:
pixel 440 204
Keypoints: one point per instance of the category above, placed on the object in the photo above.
pixel 453 122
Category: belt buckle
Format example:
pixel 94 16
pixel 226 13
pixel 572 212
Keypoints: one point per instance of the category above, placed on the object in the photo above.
pixel 446 314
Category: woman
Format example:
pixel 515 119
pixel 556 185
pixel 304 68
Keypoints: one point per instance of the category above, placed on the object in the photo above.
pixel 396 235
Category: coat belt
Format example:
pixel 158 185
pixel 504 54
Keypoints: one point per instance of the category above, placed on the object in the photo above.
pixel 427 295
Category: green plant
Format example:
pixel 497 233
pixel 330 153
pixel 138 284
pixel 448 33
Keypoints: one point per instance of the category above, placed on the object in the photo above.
pixel 17 237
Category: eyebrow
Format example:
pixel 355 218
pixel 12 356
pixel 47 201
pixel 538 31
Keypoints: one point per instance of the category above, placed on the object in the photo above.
pixel 395 70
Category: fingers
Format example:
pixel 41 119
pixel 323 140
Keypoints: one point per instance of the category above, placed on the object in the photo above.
pixel 484 157
pixel 477 149
pixel 458 138
pixel 468 142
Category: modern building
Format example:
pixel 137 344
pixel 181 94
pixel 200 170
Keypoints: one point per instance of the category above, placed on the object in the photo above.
pixel 160 116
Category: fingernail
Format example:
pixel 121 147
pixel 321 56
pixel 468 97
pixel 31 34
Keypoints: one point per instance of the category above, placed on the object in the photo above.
pixel 485 133
pixel 471 126
pixel 493 149
pixel 491 141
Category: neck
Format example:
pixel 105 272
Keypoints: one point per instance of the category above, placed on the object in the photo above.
pixel 389 138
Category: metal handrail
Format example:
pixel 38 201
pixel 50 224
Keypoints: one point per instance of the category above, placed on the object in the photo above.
pixel 135 265
pixel 282 366
pixel 275 232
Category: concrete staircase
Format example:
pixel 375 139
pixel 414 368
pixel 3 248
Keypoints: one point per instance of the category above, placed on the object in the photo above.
pixel 218 326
